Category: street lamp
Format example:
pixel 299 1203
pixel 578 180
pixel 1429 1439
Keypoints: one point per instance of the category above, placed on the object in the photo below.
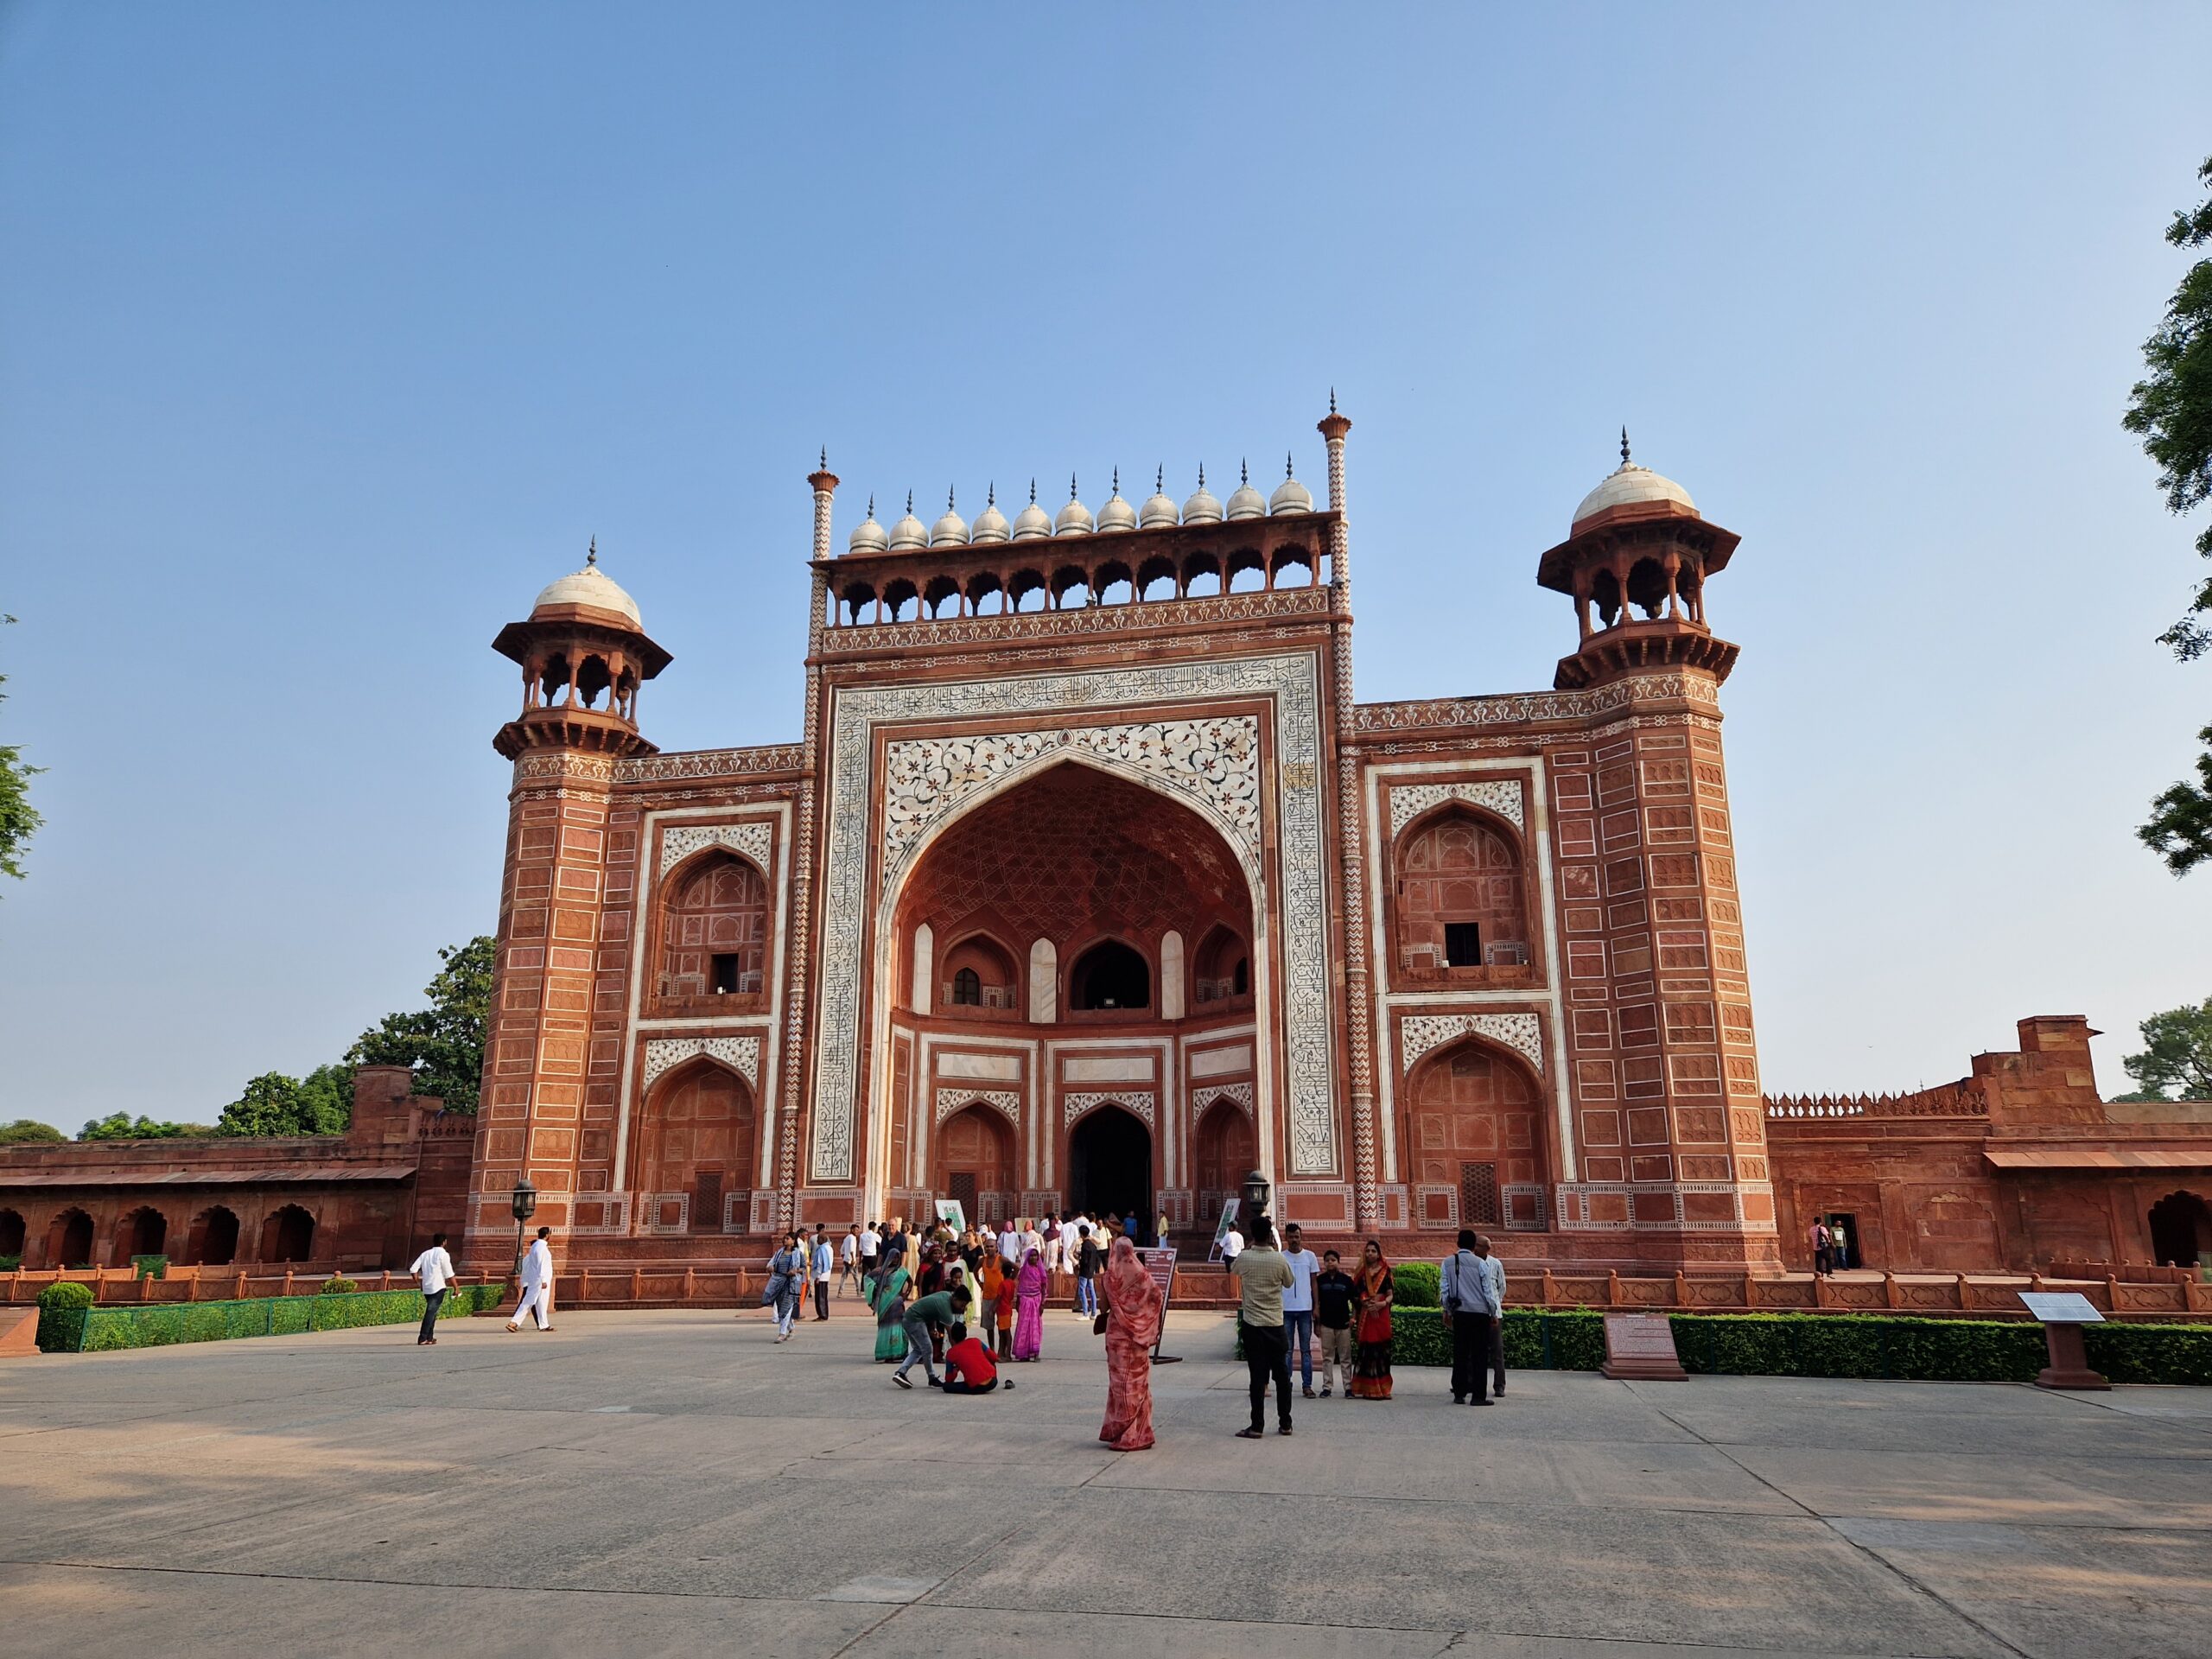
pixel 1255 1202
pixel 525 1206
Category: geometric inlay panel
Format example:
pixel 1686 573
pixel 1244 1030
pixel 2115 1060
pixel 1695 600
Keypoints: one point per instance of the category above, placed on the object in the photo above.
pixel 679 841
pixel 1502 797
pixel 740 1054
pixel 1421 1033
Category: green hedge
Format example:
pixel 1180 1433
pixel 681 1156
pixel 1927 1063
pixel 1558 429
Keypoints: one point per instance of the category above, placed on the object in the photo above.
pixel 155 1324
pixel 1829 1344
pixel 61 1309
pixel 1416 1283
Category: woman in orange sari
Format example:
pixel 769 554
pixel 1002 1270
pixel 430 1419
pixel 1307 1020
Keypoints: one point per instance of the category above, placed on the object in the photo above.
pixel 1376 1290
pixel 1132 1326
pixel 989 1280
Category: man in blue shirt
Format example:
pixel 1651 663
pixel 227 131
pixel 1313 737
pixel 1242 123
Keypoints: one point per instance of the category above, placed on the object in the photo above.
pixel 824 1263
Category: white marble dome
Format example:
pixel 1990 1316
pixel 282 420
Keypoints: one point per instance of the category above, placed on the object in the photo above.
pixel 867 536
pixel 1033 522
pixel 1116 514
pixel 990 523
pixel 1244 501
pixel 1290 495
pixel 1628 484
pixel 908 532
pixel 951 531
pixel 1075 517
pixel 1202 508
pixel 594 587
pixel 1157 512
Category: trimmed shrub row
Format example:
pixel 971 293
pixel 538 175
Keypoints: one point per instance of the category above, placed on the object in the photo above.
pixel 1829 1344
pixel 80 1327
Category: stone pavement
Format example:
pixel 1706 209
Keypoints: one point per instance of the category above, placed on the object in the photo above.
pixel 650 1483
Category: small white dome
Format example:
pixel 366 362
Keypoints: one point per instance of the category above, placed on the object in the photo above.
pixel 990 523
pixel 1627 483
pixel 1116 514
pixel 1244 501
pixel 1159 512
pixel 1202 508
pixel 1290 495
pixel 1075 517
pixel 867 536
pixel 951 531
pixel 591 586
pixel 908 532
pixel 1033 522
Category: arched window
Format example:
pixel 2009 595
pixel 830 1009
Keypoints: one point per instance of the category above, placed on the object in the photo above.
pixel 1223 966
pixel 288 1236
pixel 979 973
pixel 69 1239
pixel 12 1234
pixel 968 988
pixel 1110 975
pixel 1474 1128
pixel 142 1232
pixel 213 1240
pixel 1461 901
pixel 714 930
pixel 697 1143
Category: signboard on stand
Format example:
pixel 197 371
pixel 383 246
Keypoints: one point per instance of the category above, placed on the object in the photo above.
pixel 1161 1264
pixel 2063 1313
pixel 1220 1229
pixel 949 1210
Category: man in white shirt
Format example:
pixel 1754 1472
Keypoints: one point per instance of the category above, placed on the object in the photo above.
pixel 1297 1301
pixel 871 1255
pixel 1494 1271
pixel 1033 1240
pixel 1232 1245
pixel 1009 1245
pixel 434 1268
pixel 537 1283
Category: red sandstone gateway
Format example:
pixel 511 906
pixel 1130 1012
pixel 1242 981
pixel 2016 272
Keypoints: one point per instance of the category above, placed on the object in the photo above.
pixel 1089 884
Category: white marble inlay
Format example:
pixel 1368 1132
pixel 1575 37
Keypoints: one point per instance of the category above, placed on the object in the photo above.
pixel 1523 1033
pixel 740 1054
pixel 679 841
pixel 1139 1101
pixel 1501 796
pixel 950 1101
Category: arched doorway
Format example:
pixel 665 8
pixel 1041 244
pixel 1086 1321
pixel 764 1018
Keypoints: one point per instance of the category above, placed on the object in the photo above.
pixel 1474 1125
pixel 974 1162
pixel 142 1232
pixel 1109 1164
pixel 12 1234
pixel 2181 1229
pixel 213 1240
pixel 1226 1150
pixel 1110 975
pixel 69 1239
pixel 288 1236
pixel 696 1147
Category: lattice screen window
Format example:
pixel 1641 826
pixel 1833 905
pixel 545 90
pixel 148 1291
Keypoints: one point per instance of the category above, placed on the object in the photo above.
pixel 1478 1196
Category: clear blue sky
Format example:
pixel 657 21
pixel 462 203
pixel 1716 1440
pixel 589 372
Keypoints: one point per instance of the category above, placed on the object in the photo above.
pixel 328 335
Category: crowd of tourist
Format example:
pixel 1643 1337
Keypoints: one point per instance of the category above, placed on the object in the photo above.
pixel 966 1300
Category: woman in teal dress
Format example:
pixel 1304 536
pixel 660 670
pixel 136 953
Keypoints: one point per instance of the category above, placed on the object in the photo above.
pixel 890 1339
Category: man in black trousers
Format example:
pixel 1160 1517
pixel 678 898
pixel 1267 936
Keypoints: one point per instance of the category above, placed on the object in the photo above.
pixel 1262 1277
pixel 1466 1287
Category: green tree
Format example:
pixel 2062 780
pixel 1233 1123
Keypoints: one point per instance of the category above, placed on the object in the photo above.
pixel 276 1104
pixel 17 822
pixel 2176 1063
pixel 24 1129
pixel 121 1126
pixel 444 1042
pixel 2171 409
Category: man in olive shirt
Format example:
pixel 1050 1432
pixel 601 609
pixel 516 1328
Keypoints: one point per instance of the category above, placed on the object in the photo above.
pixel 939 1309
pixel 1262 1277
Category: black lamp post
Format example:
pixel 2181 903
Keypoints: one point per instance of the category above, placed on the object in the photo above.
pixel 525 1206
pixel 1255 1203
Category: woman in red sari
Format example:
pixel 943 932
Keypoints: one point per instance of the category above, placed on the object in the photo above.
pixel 1376 1290
pixel 1132 1326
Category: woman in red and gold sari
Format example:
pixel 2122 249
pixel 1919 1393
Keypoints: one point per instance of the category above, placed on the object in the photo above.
pixel 1375 1290
pixel 1132 1326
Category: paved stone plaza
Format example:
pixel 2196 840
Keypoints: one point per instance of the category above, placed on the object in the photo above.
pixel 641 1484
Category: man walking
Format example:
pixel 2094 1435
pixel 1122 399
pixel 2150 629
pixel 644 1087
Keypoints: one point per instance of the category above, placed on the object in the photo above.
pixel 848 1256
pixel 1298 1303
pixel 1464 1284
pixel 1231 1242
pixel 1332 1299
pixel 536 1298
pixel 1262 1278
pixel 871 1242
pixel 1494 1268
pixel 939 1309
pixel 824 1263
pixel 434 1268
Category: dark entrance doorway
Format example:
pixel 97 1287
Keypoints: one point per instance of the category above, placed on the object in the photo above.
pixel 2181 1229
pixel 1110 1165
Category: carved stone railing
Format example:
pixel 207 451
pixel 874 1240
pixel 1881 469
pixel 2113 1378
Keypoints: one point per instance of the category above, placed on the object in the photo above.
pixel 1948 1100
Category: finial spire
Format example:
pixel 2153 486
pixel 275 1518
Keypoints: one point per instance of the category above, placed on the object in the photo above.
pixel 591 554
pixel 825 457
pixel 948 498
pixel 1033 492
pixel 871 504
pixel 1286 473
pixel 1243 472
pixel 910 504
pixel 991 495
pixel 1117 480
pixel 1201 474
pixel 1332 400
pixel 1624 446
pixel 1160 480
pixel 1071 486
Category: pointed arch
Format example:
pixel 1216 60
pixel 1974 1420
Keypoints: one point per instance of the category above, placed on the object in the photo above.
pixel 1475 1127
pixel 697 1135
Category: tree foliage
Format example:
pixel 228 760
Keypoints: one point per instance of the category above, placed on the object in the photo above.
pixel 444 1043
pixel 2176 1063
pixel 17 821
pixel 121 1126
pixel 2171 409
pixel 273 1104
pixel 25 1129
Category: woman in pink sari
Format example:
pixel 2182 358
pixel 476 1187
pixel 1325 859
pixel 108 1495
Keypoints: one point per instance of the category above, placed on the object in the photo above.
pixel 1030 1287
pixel 1132 1327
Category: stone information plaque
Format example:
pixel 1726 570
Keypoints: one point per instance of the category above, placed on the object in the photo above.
pixel 2063 1313
pixel 2062 1307
pixel 1641 1347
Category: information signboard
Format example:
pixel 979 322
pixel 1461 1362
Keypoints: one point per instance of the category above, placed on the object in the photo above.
pixel 2062 1307
pixel 1220 1229
pixel 1161 1264
pixel 949 1210
pixel 1641 1346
